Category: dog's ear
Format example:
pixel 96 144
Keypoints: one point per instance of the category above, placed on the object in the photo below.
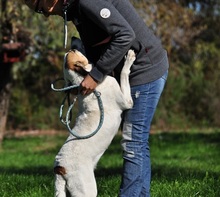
pixel 86 67
pixel 76 44
pixel 77 59
pixel 73 58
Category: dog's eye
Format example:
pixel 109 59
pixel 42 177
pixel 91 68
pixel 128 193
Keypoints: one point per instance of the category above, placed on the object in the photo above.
pixel 80 70
pixel 76 68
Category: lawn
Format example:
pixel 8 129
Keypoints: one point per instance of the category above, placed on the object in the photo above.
pixel 184 164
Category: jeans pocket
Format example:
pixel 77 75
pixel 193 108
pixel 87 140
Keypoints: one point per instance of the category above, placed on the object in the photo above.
pixel 165 75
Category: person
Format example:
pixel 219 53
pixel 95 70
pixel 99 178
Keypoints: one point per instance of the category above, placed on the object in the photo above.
pixel 108 29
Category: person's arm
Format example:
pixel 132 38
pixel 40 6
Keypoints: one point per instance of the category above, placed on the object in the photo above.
pixel 107 17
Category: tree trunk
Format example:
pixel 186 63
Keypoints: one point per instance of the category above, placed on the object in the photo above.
pixel 5 87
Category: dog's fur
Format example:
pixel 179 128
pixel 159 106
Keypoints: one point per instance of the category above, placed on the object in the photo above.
pixel 76 160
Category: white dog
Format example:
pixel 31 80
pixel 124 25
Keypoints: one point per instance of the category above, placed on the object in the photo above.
pixel 76 160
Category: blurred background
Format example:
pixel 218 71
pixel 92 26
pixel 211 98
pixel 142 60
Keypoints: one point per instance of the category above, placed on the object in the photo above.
pixel 31 56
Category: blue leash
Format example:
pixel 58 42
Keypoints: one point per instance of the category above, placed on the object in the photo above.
pixel 68 114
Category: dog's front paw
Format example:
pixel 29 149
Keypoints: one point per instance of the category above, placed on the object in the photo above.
pixel 131 56
pixel 129 60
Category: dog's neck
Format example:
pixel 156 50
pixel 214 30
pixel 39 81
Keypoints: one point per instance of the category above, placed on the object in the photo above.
pixel 74 78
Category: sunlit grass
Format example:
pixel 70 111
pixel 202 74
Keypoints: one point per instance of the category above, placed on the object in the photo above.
pixel 183 165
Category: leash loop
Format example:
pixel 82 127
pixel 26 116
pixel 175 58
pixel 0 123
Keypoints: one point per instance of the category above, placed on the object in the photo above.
pixel 62 89
pixel 67 120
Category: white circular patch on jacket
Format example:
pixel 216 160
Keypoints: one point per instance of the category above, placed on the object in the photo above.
pixel 105 13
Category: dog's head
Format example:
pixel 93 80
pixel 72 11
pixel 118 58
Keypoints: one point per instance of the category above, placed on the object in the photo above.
pixel 76 67
pixel 77 62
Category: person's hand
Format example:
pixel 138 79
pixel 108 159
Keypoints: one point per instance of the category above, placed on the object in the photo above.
pixel 88 85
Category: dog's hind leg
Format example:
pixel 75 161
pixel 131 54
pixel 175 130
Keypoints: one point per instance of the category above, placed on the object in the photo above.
pixel 124 78
pixel 81 182
pixel 60 186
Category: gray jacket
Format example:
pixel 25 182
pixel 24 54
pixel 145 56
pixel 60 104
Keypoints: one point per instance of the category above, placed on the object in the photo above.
pixel 108 29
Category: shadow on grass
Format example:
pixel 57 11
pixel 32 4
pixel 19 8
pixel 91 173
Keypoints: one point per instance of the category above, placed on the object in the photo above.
pixel 39 170
pixel 105 172
pixel 174 173
pixel 186 137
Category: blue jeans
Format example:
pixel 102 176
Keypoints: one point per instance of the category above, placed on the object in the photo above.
pixel 136 154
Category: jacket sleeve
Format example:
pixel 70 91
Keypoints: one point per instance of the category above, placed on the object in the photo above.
pixel 108 18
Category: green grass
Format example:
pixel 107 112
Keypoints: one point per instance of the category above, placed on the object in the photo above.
pixel 183 165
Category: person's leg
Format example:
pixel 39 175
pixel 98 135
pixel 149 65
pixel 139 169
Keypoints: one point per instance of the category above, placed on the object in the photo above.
pixel 136 167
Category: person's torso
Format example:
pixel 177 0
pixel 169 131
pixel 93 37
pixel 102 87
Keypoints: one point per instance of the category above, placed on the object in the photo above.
pixel 146 45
